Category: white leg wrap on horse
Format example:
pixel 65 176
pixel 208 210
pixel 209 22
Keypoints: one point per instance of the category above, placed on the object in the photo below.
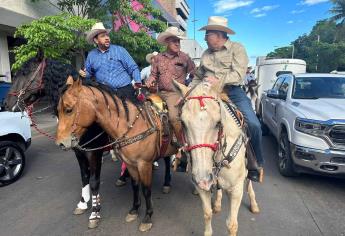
pixel 94 215
pixel 82 205
pixel 85 193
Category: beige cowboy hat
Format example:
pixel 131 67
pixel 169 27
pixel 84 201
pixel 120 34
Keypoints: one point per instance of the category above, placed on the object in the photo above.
pixel 95 30
pixel 150 55
pixel 171 31
pixel 218 23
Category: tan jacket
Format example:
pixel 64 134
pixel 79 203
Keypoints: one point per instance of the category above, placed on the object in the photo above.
pixel 228 64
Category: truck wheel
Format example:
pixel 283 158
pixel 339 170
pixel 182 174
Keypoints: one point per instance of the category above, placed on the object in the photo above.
pixel 12 162
pixel 285 162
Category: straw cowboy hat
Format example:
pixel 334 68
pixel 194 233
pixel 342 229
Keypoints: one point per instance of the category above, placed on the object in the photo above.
pixel 95 30
pixel 150 55
pixel 218 23
pixel 171 31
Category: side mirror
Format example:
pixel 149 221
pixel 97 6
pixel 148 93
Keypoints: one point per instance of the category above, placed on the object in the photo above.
pixel 275 94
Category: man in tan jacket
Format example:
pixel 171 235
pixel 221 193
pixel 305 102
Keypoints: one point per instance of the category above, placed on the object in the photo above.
pixel 226 62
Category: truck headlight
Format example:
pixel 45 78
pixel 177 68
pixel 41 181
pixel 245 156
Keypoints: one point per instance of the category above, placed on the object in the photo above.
pixel 312 127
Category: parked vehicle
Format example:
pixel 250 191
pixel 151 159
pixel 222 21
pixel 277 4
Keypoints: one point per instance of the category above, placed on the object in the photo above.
pixel 305 113
pixel 15 138
pixel 267 70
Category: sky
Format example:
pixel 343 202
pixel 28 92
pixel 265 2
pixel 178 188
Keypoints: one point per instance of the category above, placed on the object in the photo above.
pixel 260 25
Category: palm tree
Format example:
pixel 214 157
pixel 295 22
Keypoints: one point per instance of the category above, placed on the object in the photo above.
pixel 338 11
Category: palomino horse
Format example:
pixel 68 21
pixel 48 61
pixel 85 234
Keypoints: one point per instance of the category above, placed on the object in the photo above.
pixel 44 79
pixel 135 128
pixel 217 151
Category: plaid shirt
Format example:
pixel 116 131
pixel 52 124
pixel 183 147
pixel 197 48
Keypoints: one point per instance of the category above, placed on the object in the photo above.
pixel 114 67
pixel 167 67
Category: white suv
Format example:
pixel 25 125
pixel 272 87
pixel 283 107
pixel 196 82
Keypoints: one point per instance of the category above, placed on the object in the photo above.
pixel 306 114
pixel 15 138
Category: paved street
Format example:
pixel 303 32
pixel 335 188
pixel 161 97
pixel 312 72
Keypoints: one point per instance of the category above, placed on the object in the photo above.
pixel 42 201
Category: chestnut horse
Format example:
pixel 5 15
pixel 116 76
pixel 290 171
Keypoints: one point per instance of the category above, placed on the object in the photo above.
pixel 135 128
pixel 40 79
pixel 217 146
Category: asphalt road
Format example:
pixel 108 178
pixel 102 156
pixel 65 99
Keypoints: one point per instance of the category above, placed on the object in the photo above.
pixel 42 201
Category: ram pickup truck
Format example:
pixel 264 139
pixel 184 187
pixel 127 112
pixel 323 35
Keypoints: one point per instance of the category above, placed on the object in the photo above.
pixel 306 114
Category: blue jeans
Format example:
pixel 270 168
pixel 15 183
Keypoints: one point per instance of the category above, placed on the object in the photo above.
pixel 240 99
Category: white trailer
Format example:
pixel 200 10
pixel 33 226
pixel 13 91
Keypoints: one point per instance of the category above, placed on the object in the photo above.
pixel 266 72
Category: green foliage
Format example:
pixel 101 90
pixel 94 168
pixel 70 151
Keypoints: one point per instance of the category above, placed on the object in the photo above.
pixel 338 11
pixel 138 44
pixel 323 49
pixel 59 37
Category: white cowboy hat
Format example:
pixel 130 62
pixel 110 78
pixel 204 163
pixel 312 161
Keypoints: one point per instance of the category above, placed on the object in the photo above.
pixel 150 55
pixel 171 31
pixel 218 23
pixel 95 30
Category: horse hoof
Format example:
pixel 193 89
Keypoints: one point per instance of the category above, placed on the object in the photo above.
pixel 93 223
pixel 144 227
pixel 195 192
pixel 131 217
pixel 254 209
pixel 217 210
pixel 120 183
pixel 79 211
pixel 166 189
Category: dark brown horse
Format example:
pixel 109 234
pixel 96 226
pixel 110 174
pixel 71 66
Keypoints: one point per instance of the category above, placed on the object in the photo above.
pixel 136 129
pixel 38 80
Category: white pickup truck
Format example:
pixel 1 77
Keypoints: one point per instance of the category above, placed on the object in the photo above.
pixel 306 114
pixel 15 138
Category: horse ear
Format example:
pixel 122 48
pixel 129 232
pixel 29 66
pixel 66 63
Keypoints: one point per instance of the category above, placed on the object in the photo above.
pixel 180 88
pixel 70 80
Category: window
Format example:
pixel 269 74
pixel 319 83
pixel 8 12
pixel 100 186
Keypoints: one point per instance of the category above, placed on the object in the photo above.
pixel 278 83
pixel 285 86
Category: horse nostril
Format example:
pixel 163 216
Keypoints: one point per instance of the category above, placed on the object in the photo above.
pixel 61 145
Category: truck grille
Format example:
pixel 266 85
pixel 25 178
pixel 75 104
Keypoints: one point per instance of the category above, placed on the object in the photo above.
pixel 337 135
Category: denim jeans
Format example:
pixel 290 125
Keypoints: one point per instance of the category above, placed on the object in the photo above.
pixel 243 103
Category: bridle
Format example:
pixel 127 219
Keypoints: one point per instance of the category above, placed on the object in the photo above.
pixel 19 94
pixel 220 145
pixel 213 146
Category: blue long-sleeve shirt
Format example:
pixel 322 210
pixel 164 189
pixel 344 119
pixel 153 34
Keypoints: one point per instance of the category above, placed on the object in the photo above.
pixel 114 67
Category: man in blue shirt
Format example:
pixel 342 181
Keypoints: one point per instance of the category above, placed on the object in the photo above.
pixel 110 64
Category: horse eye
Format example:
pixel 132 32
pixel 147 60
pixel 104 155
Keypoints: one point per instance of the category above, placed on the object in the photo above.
pixel 68 110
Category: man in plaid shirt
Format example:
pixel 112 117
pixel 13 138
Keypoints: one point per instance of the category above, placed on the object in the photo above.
pixel 168 66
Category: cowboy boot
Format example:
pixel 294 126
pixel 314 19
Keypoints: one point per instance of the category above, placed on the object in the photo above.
pixel 255 172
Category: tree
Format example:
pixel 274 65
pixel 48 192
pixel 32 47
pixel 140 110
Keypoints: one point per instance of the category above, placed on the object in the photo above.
pixel 92 9
pixel 137 43
pixel 338 11
pixel 59 37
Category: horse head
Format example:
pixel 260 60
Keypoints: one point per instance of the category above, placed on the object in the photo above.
pixel 201 118
pixel 75 112
pixel 36 79
pixel 27 86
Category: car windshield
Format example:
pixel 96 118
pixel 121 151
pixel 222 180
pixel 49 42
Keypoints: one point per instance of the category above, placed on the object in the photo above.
pixel 318 87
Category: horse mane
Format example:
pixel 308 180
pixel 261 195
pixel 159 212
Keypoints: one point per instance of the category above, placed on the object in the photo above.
pixel 55 77
pixel 104 90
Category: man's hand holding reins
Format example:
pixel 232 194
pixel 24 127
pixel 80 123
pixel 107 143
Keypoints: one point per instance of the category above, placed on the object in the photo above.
pixel 82 72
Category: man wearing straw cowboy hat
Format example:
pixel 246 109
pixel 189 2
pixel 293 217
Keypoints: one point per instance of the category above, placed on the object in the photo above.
pixel 110 64
pixel 168 66
pixel 226 62
pixel 145 73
